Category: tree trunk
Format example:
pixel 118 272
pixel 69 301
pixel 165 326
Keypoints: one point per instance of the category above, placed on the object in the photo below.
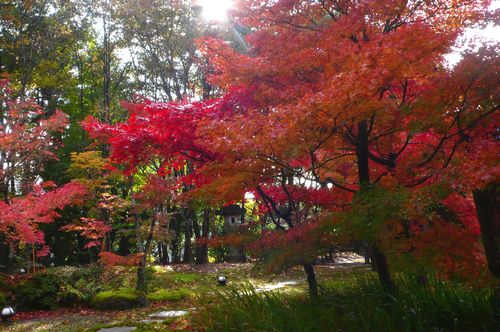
pixel 175 227
pixel 162 253
pixel 106 65
pixel 311 279
pixel 142 249
pixel 488 211
pixel 202 248
pixel 362 148
pixel 141 277
pixel 362 155
pixel 367 252
pixel 124 245
pixel 188 249
pixel 202 254
pixel 380 263
pixel 176 257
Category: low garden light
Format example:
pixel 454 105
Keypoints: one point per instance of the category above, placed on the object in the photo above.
pixel 7 313
pixel 222 280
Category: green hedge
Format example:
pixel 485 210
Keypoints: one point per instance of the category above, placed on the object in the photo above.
pixel 119 299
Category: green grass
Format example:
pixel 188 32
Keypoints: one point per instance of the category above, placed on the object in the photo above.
pixel 121 299
pixel 184 277
pixel 359 305
pixel 350 300
pixel 172 295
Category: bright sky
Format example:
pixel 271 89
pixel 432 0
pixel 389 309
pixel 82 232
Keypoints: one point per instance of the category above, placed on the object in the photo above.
pixel 215 10
pixel 489 35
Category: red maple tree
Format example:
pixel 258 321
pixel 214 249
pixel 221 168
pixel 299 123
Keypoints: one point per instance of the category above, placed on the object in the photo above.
pixel 25 144
pixel 352 95
pixel 334 99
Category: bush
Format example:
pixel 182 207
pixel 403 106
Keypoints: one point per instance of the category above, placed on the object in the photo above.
pixel 119 277
pixel 61 286
pixel 359 306
pixel 3 283
pixel 3 299
pixel 78 285
pixel 39 292
pixel 174 295
pixel 119 299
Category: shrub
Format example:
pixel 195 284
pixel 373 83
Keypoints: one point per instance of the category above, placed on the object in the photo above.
pixel 174 295
pixel 121 299
pixel 38 292
pixel 3 299
pixel 4 291
pixel 61 286
pixel 119 277
pixel 78 285
pixel 72 274
pixel 3 283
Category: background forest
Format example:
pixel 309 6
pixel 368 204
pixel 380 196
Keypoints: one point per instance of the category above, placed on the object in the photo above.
pixel 85 58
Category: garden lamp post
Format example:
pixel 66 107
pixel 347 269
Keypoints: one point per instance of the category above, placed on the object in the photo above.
pixel 7 313
pixel 222 280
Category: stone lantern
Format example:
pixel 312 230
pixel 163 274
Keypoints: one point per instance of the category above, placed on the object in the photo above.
pixel 234 217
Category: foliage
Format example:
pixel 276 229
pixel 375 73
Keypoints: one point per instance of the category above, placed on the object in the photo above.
pixel 4 284
pixel 355 112
pixel 40 291
pixel 109 259
pixel 411 226
pixel 26 144
pixel 147 27
pixel 359 306
pixel 102 205
pixel 20 219
pixel 121 299
pixel 89 167
pixel 46 67
pixel 93 230
pixel 3 299
pixel 78 285
pixel 62 286
pixel 372 104
pixel 353 129
pixel 170 295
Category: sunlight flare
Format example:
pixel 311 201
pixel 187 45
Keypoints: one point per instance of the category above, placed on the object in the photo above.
pixel 215 10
